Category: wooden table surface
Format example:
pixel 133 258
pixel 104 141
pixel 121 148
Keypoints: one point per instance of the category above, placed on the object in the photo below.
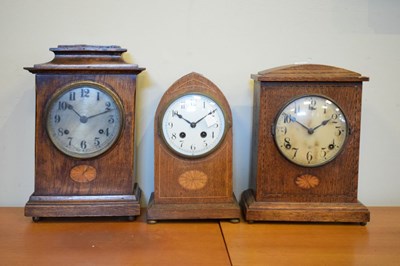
pixel 109 242
pixel 377 243
pixel 118 242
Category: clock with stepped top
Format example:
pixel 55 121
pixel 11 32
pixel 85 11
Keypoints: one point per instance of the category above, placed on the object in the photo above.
pixel 85 126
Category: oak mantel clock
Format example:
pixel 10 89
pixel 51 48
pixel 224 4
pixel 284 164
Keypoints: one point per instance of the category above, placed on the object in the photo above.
pixel 193 154
pixel 84 144
pixel 306 139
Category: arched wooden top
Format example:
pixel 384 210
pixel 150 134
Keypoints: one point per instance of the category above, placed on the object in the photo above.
pixel 194 82
pixel 309 72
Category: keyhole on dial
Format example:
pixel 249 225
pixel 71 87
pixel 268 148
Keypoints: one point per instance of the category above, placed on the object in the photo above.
pixel 182 135
pixel 203 134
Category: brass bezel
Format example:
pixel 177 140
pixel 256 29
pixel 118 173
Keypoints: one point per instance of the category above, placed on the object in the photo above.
pixel 227 124
pixel 347 131
pixel 96 86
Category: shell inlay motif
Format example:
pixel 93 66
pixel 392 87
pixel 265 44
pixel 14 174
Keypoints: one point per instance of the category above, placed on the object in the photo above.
pixel 193 180
pixel 307 181
pixel 83 173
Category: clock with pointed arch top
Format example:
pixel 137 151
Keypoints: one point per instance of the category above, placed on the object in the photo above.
pixel 306 135
pixel 84 141
pixel 193 154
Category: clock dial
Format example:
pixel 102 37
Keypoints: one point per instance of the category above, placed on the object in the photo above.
pixel 193 125
pixel 310 130
pixel 84 120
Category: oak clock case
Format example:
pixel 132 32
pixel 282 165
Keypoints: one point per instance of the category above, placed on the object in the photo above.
pixel 193 154
pixel 84 141
pixel 306 139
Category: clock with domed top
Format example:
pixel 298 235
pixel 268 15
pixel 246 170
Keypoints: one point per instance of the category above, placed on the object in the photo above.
pixel 306 139
pixel 84 144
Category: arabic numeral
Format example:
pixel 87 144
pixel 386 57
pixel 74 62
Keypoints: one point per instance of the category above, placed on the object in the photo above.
pixel 111 119
pixel 295 152
pixel 97 141
pixel 287 118
pixel 312 105
pixel 83 144
pixel 309 157
pixel 85 93
pixel 62 106
pixel 173 136
pixel 108 106
pixel 72 96
pixel 287 143
pixel 57 119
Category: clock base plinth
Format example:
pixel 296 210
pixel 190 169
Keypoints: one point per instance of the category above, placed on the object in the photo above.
pixel 192 211
pixel 84 206
pixel 302 211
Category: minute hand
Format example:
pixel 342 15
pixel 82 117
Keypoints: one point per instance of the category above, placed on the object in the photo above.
pixel 106 111
pixel 210 113
pixel 293 119
pixel 181 117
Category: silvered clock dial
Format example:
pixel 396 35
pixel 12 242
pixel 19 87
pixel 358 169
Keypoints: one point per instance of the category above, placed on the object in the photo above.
pixel 84 120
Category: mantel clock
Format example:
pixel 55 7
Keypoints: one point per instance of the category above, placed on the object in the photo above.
pixel 306 139
pixel 84 143
pixel 193 154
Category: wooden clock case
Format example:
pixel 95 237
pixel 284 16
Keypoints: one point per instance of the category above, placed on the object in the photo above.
pixel 172 201
pixel 275 196
pixel 113 190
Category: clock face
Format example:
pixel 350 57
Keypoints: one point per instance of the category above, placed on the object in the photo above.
pixel 310 130
pixel 193 125
pixel 84 120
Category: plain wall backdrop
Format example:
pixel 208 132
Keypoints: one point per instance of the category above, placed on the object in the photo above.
pixel 226 41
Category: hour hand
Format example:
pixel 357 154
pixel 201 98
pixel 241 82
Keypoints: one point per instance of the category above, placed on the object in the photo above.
pixel 181 117
pixel 70 107
pixel 322 124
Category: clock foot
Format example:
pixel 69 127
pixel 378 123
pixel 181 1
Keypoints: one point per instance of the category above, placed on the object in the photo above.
pixel 235 221
pixel 131 218
pixel 363 223
pixel 35 219
pixel 250 222
pixel 151 221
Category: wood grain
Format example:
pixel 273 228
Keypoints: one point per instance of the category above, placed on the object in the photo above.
pixel 168 166
pixel 378 243
pixel 115 168
pixel 273 177
pixel 212 196
pixel 98 241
